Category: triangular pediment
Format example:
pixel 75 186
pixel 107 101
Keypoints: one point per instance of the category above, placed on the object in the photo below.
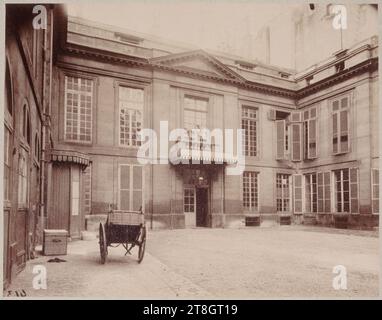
pixel 197 62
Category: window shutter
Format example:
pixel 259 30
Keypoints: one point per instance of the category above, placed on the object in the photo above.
pixel 354 190
pixel 326 190
pixel 296 141
pixel 297 184
pixel 280 136
pixel 137 187
pixel 312 139
pixel 320 192
pixel 124 187
pixel 375 190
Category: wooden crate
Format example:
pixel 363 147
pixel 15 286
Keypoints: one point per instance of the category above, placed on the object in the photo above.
pixel 55 242
pixel 130 218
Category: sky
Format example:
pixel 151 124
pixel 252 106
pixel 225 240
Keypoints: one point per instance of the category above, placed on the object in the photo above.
pixel 223 25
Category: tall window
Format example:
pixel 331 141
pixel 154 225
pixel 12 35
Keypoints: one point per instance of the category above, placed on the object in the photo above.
pixel 249 120
pixel 310 133
pixel 282 192
pixel 189 199
pixel 342 194
pixel 250 191
pixel 7 163
pixel 311 192
pixel 23 182
pixel 375 190
pixel 195 117
pixel 78 109
pixel 75 191
pixel 130 115
pixel 130 187
pixel 323 192
pixel 25 125
pixel 340 119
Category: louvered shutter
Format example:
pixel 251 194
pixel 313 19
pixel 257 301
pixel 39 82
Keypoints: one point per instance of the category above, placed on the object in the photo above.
pixel 296 141
pixel 326 190
pixel 280 136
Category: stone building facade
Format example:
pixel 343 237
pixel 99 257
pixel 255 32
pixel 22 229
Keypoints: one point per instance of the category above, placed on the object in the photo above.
pixel 78 94
pixel 311 137
pixel 27 91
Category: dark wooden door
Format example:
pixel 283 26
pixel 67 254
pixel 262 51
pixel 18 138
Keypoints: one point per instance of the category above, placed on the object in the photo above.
pixel 58 217
pixel 201 207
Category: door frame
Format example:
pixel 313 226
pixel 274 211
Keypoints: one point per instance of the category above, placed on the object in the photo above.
pixel 207 213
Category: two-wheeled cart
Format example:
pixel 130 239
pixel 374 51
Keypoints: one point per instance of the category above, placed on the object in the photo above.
pixel 126 228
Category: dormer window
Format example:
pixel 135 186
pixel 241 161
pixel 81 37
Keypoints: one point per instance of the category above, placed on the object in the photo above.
pixel 128 38
pixel 245 65
pixel 340 66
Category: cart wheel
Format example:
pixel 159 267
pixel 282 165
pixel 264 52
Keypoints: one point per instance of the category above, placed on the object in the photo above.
pixel 142 245
pixel 102 243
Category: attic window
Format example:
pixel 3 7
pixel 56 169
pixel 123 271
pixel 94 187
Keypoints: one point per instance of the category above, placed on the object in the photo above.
pixel 340 66
pixel 284 75
pixel 128 38
pixel 245 65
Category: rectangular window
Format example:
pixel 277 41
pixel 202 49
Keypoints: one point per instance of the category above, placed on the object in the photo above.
pixel 250 191
pixel 78 109
pixel 340 119
pixel 298 192
pixel 311 192
pixel 189 199
pixel 342 190
pixel 7 163
pixel 130 187
pixel 282 192
pixel 75 191
pixel 375 189
pixel 310 133
pixel 131 101
pixel 195 117
pixel 323 192
pixel 249 119
pixel 87 182
pixel 23 182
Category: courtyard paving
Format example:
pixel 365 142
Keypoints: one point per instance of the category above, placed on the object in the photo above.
pixel 247 263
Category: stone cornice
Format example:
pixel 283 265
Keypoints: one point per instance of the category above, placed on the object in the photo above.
pixel 161 63
pixel 367 65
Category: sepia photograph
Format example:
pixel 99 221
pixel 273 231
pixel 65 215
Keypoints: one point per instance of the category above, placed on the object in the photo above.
pixel 190 150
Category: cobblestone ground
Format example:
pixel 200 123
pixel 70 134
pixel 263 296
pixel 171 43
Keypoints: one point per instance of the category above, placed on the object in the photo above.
pixel 246 263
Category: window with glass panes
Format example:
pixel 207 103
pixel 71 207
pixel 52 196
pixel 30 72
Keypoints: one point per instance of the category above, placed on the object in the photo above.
pixel 283 192
pixel 310 133
pixel 130 187
pixel 131 101
pixel 311 192
pixel 250 191
pixel 340 120
pixel 342 190
pixel 249 120
pixel 189 199
pixel 195 117
pixel 78 109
